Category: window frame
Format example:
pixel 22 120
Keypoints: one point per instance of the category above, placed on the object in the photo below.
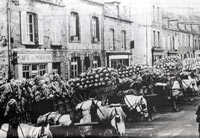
pixel 74 36
pixel 95 30
pixel 124 39
pixel 112 32
pixel 33 23
pixel 74 67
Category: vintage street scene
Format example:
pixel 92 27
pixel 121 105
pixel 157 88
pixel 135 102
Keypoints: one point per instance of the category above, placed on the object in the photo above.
pixel 99 68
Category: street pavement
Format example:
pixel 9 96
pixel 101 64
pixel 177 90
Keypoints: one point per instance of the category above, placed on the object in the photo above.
pixel 168 124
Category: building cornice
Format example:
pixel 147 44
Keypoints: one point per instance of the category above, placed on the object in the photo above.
pixel 115 18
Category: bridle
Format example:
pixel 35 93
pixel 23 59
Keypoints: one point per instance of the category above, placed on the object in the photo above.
pixel 113 116
pixel 137 105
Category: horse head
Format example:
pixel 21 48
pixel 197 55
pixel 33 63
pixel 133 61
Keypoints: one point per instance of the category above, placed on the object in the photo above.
pixel 118 120
pixel 137 103
pixel 44 132
pixel 143 107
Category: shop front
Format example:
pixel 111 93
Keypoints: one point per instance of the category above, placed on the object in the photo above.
pixel 32 63
pixel 157 53
pixel 118 59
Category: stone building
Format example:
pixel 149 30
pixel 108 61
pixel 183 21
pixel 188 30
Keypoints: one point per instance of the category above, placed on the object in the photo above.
pixel 84 36
pixel 117 36
pixel 181 34
pixel 50 36
pixel 147 18
pixel 35 45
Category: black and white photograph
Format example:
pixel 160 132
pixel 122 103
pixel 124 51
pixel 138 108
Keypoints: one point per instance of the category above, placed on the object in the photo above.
pixel 99 68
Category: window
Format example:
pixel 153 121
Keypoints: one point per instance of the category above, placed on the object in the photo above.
pixel 31 27
pixel 123 39
pixel 173 43
pixel 74 27
pixel 42 69
pixel 26 71
pixel 118 63
pixel 153 12
pixel 195 44
pixel 31 70
pixel 56 68
pixel 189 40
pixel 154 38
pixel 158 39
pixel 95 29
pixel 199 44
pixel 112 39
pixel 96 62
pixel 74 67
pixel 158 14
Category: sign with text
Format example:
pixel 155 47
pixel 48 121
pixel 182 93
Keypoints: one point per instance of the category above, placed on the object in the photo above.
pixel 34 58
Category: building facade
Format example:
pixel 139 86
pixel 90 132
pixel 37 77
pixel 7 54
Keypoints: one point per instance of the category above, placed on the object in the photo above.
pixel 50 36
pixel 84 36
pixel 147 31
pixel 181 34
pixel 117 36
pixel 34 46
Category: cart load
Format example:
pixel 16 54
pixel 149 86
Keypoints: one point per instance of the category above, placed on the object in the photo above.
pixel 169 65
pixel 132 71
pixel 191 64
pixel 94 78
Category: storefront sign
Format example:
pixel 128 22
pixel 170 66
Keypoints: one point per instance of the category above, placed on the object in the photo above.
pixel 34 58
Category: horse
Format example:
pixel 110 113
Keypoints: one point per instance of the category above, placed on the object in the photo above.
pixel 189 87
pixel 111 119
pixel 54 118
pixel 136 105
pixel 25 131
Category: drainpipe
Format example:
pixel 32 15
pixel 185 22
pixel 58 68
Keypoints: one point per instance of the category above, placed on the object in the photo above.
pixel 9 36
pixel 102 39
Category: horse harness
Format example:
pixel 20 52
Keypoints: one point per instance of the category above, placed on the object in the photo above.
pixel 117 119
pixel 137 105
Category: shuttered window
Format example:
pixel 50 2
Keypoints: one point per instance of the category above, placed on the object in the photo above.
pixel 31 28
pixel 124 40
pixel 112 39
pixel 95 29
pixel 56 23
pixel 74 27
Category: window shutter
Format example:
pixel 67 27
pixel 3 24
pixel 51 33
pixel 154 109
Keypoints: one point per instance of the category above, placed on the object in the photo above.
pixel 77 26
pixel 97 29
pixel 58 31
pixel 72 25
pixel 23 28
pixel 40 29
pixel 91 28
pixel 53 32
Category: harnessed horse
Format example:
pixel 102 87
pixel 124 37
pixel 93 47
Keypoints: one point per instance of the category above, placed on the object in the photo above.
pixel 54 118
pixel 136 105
pixel 27 131
pixel 111 119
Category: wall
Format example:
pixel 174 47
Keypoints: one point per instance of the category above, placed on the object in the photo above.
pixel 118 27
